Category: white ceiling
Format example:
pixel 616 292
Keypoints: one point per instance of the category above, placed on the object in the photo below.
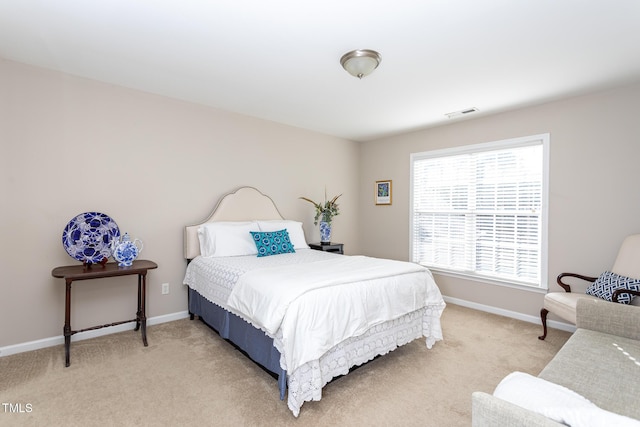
pixel 279 59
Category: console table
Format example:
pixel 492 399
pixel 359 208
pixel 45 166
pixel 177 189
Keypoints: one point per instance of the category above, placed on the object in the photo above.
pixel 71 273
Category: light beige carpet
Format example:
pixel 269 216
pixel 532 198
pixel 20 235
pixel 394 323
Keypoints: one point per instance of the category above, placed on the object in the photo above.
pixel 190 376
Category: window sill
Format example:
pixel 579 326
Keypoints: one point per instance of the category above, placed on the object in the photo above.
pixel 489 281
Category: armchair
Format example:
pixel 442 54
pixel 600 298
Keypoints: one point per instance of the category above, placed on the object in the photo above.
pixel 563 304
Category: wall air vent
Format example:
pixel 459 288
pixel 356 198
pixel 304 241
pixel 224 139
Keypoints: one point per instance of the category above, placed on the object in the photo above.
pixel 461 113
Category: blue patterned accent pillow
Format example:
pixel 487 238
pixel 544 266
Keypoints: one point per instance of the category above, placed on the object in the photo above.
pixel 609 282
pixel 272 242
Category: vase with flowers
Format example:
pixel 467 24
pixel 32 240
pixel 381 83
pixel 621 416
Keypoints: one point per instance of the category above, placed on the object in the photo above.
pixel 324 215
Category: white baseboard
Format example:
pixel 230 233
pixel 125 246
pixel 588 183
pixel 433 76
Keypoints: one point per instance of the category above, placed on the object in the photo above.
pixel 59 340
pixel 512 314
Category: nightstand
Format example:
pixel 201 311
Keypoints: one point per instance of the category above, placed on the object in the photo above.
pixel 328 247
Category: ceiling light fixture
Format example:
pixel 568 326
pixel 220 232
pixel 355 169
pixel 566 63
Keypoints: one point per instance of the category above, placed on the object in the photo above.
pixel 361 62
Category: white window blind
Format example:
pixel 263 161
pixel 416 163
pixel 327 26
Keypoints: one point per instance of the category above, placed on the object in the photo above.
pixel 479 210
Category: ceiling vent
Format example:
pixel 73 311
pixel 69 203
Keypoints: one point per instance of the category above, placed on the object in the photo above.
pixel 461 113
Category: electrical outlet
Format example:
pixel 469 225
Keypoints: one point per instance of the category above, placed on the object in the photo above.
pixel 165 288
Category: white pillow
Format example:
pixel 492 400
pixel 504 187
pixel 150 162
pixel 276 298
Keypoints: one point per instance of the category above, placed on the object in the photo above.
pixel 227 238
pixel 294 228
pixel 557 402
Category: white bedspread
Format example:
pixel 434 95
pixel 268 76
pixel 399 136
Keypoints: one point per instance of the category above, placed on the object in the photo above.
pixel 314 313
pixel 216 278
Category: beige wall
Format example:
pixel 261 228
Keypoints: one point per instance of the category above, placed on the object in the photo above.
pixel 594 186
pixel 70 145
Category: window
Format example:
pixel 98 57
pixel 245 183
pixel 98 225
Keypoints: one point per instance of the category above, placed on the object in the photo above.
pixel 480 210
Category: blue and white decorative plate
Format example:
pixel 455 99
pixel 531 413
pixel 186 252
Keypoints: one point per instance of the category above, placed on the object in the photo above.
pixel 88 237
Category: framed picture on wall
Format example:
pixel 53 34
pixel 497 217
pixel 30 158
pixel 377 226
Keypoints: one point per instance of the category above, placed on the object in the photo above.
pixel 383 192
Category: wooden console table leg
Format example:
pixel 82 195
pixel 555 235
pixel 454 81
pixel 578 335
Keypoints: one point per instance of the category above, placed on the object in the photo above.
pixel 142 316
pixel 67 323
pixel 139 302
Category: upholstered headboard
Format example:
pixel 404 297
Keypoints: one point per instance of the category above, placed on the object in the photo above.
pixel 243 204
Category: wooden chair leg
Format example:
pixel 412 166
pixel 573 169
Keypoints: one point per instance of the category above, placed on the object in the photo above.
pixel 543 317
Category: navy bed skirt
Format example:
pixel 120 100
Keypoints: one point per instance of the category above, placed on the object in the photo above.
pixel 252 341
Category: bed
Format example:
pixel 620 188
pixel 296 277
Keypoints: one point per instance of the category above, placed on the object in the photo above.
pixel 306 316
